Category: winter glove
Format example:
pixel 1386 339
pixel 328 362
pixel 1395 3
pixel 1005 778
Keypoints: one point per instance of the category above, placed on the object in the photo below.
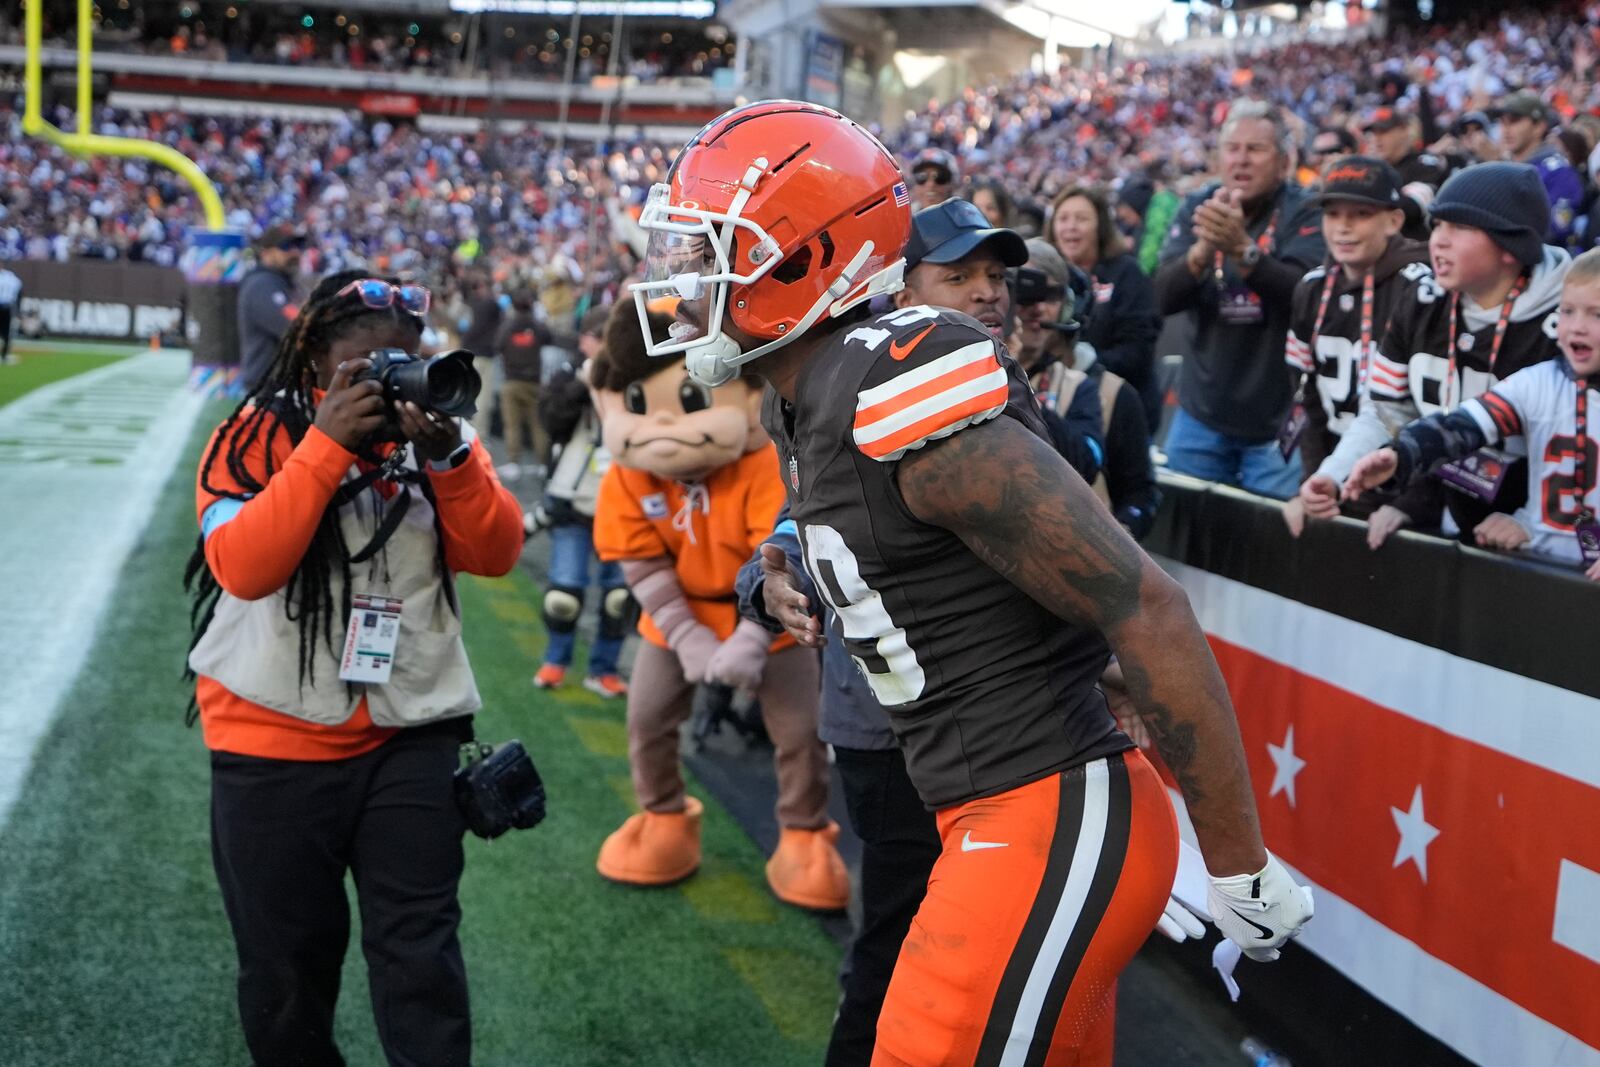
pixel 738 661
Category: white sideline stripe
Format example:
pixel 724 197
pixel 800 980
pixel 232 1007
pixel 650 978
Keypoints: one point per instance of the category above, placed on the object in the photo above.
pixel 1085 865
pixel 1577 924
pixel 67 537
pixel 927 372
pixel 1454 1007
pixel 950 398
pixel 1482 704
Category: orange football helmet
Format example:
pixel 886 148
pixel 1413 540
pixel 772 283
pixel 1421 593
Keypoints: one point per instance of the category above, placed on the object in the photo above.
pixel 778 214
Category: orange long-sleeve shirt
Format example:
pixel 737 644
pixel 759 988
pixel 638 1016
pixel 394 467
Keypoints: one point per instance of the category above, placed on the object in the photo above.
pixel 253 549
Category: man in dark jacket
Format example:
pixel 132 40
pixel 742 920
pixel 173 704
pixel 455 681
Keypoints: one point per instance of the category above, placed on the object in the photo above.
pixel 1054 352
pixel 1231 264
pixel 265 300
pixel 1392 137
pixel 899 838
pixel 1525 123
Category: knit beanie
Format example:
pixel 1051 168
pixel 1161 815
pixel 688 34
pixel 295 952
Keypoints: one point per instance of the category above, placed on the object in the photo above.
pixel 1505 200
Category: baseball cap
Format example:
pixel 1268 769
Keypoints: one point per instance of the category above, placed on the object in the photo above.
pixel 951 231
pixel 1527 105
pixel 937 158
pixel 281 235
pixel 1382 118
pixel 1044 257
pixel 1470 118
pixel 1361 180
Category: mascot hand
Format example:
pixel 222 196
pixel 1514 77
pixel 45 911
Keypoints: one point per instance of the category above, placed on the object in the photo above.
pixel 739 660
pixel 695 644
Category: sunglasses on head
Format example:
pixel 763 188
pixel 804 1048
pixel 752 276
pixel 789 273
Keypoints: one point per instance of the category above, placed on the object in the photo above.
pixel 938 177
pixel 377 293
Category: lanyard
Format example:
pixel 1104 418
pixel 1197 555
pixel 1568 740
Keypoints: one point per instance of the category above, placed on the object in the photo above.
pixel 1494 348
pixel 1367 288
pixel 1264 242
pixel 1580 465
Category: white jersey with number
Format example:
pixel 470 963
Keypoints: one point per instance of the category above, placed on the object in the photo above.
pixel 1541 402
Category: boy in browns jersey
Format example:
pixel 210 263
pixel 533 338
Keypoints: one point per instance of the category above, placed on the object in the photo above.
pixel 1342 307
pixel 1551 404
pixel 1489 311
pixel 978 584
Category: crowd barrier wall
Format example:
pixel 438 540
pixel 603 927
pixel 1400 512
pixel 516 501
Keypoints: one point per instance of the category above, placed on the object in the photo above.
pixel 1422 726
pixel 107 300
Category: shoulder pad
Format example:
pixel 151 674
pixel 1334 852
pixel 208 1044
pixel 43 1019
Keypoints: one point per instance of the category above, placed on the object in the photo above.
pixel 932 374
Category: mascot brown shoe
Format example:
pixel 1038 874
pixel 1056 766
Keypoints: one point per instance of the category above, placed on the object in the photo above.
pixel 654 848
pixel 807 871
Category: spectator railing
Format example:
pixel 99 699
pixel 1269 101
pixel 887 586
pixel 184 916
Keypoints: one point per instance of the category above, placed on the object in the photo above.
pixel 1422 726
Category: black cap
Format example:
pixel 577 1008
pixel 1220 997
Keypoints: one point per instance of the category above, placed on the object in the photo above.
pixel 937 158
pixel 1361 180
pixel 1382 118
pixel 951 231
pixel 281 235
pixel 1526 105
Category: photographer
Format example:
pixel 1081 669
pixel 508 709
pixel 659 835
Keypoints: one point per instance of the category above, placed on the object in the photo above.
pixel 320 534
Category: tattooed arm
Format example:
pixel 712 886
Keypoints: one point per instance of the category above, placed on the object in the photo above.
pixel 1024 512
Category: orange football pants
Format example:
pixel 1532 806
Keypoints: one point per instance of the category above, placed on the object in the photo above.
pixel 1041 896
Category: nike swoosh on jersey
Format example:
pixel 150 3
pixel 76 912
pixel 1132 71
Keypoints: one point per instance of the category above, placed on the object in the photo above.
pixel 1264 935
pixel 969 845
pixel 898 352
pixel 930 401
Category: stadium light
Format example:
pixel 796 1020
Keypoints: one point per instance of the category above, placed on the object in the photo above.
pixel 693 9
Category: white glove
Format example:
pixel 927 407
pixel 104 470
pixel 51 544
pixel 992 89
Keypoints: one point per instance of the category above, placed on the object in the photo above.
pixel 1259 912
pixel 1179 923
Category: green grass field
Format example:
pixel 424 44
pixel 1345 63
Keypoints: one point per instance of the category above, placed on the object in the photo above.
pixel 115 950
pixel 38 367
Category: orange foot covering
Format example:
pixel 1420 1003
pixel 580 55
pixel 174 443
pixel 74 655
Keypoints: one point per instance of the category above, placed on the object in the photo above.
pixel 807 871
pixel 653 848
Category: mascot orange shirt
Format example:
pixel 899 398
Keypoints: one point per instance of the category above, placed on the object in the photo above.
pixel 708 527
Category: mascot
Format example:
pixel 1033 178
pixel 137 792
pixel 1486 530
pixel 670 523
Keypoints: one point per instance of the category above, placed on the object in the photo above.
pixel 692 490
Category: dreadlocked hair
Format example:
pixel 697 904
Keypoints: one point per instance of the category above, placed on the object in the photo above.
pixel 283 404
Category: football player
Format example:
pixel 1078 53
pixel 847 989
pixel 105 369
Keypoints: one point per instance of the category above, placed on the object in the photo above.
pixel 977 583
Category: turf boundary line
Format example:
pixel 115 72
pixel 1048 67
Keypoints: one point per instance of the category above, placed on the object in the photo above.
pixel 85 523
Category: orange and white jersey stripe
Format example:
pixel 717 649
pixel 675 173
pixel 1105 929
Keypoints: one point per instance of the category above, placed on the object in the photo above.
pixel 930 400
pixel 1297 354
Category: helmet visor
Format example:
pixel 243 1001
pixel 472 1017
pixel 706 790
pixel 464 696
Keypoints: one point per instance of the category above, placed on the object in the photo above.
pixel 678 263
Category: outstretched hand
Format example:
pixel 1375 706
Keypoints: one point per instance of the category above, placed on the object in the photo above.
pixel 1371 471
pixel 785 602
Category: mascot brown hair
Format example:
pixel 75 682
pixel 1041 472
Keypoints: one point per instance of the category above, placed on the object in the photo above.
pixel 693 489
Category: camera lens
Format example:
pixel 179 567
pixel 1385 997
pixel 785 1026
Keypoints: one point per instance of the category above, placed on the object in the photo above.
pixel 452 385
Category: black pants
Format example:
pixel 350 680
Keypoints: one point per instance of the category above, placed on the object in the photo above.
pixel 899 844
pixel 5 332
pixel 283 833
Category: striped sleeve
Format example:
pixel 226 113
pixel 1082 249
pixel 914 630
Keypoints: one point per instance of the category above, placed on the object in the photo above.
pixel 1389 379
pixel 930 399
pixel 1495 415
pixel 1297 354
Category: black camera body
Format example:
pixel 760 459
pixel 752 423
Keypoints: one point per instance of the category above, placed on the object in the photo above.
pixel 499 789
pixel 446 383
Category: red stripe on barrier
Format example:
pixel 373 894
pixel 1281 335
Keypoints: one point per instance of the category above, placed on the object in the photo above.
pixel 1487 906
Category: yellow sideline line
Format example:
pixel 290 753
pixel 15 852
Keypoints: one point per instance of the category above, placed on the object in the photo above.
pixel 86 143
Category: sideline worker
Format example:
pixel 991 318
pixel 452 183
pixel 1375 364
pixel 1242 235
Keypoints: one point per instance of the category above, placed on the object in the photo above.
pixel 332 684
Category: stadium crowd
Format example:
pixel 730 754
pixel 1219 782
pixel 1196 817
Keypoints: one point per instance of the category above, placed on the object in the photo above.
pixel 1123 157
pixel 519 46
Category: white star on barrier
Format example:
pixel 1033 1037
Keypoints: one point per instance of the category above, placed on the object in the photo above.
pixel 1416 834
pixel 1285 766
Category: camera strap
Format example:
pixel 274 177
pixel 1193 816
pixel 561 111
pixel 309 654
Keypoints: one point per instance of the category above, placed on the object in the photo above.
pixel 389 524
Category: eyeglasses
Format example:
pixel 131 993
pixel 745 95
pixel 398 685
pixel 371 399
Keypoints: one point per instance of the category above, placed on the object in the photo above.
pixel 938 177
pixel 377 294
